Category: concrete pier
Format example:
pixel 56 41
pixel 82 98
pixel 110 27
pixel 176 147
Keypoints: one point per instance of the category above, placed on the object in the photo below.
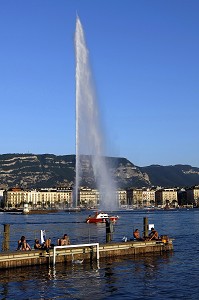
pixel 39 257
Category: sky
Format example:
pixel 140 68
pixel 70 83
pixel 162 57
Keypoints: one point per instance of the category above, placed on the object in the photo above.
pixel 145 64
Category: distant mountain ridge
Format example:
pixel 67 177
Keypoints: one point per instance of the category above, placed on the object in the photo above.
pixel 168 176
pixel 49 170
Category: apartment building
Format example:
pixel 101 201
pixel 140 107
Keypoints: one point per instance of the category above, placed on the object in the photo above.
pixel 137 198
pixel 148 198
pixel 43 198
pixel 121 196
pixel 14 198
pixel 63 197
pixel 91 197
pixel 59 197
pixel 88 197
pixel 166 197
pixel 193 195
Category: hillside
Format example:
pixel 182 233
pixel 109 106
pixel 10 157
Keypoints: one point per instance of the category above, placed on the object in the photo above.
pixel 48 170
pixel 169 176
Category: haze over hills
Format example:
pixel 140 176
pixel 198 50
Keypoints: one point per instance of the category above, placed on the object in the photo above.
pixel 48 170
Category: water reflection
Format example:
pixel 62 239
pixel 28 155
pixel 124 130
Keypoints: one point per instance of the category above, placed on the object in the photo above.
pixel 110 278
pixel 79 281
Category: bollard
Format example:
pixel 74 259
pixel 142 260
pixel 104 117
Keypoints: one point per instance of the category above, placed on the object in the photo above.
pixel 6 238
pixel 146 227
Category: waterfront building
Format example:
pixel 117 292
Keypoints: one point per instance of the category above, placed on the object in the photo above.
pixel 14 198
pixel 34 199
pixel 166 197
pixel 193 195
pixel 141 197
pixel 148 197
pixel 137 198
pixel 88 197
pixel 121 196
pixel 43 198
pixel 62 197
pixel 182 197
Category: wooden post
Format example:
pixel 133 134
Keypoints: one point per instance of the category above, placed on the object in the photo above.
pixel 108 234
pixel 6 238
pixel 146 227
pixel 109 231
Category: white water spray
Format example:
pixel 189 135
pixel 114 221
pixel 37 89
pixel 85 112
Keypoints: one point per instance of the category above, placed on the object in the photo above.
pixel 89 137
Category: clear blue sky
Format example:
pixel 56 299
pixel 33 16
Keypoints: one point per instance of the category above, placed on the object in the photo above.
pixel 145 62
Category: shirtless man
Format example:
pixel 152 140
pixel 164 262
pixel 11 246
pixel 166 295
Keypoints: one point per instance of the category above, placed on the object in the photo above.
pixel 64 241
pixel 153 235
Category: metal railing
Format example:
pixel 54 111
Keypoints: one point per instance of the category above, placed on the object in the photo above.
pixel 75 246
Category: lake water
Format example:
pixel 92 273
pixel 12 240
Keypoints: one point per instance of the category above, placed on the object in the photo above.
pixel 172 275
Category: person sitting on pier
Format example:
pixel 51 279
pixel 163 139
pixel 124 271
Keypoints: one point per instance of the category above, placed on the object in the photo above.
pixel 37 245
pixel 47 244
pixel 23 245
pixel 153 235
pixel 136 235
pixel 64 241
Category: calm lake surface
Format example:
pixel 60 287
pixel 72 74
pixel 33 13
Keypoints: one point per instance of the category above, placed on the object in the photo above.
pixel 169 276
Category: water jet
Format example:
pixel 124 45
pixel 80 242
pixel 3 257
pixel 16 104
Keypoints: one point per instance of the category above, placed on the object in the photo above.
pixel 90 139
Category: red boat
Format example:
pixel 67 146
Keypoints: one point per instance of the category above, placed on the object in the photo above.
pixel 101 217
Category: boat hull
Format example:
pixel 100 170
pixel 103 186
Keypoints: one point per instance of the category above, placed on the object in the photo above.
pixel 101 220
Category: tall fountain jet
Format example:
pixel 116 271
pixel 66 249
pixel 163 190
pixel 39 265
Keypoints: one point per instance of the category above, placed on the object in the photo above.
pixel 89 137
